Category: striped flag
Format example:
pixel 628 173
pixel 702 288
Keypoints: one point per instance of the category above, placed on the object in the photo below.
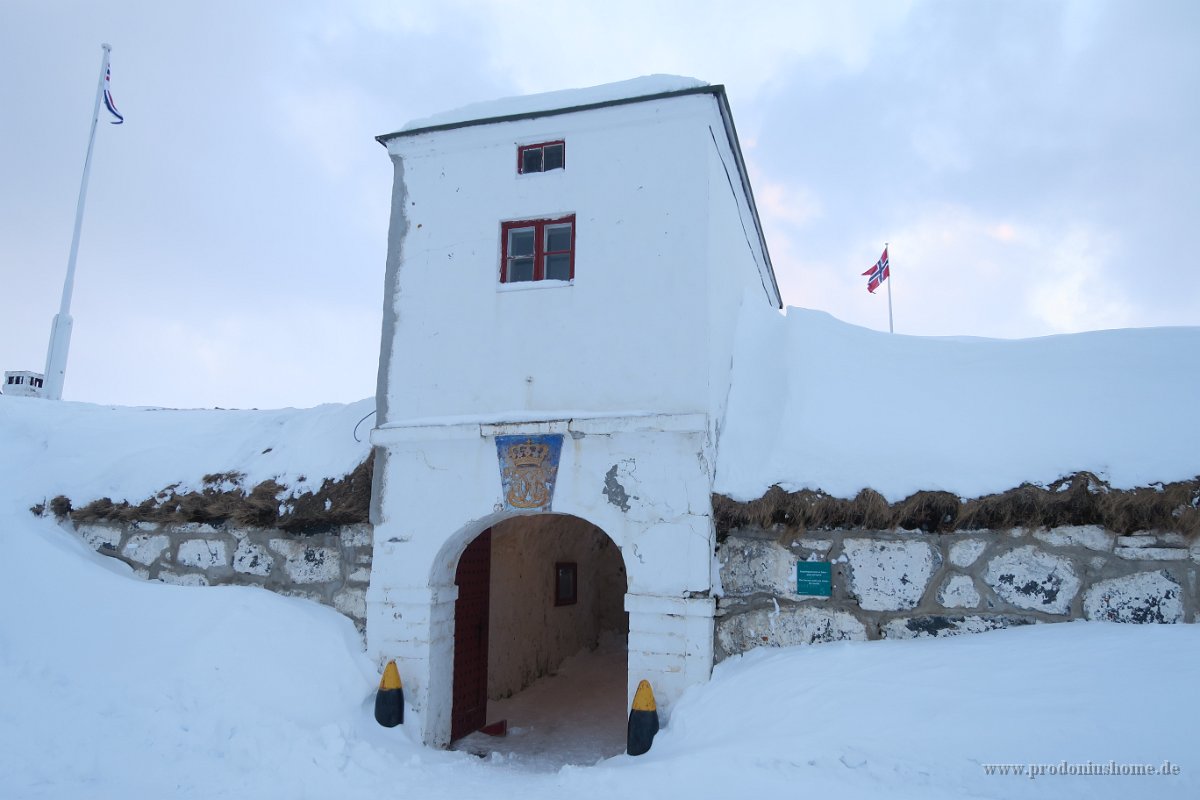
pixel 877 274
pixel 108 101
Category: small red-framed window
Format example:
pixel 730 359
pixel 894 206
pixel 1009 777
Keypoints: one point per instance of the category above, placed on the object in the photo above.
pixel 541 157
pixel 538 250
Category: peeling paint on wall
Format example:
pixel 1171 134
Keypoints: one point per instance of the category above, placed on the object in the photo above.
pixel 614 490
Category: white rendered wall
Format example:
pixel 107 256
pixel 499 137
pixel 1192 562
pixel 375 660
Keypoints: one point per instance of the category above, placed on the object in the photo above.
pixel 630 362
pixel 734 256
pixel 627 335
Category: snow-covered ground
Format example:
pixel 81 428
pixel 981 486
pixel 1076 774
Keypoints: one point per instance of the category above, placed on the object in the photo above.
pixel 111 687
pixel 576 715
pixel 117 688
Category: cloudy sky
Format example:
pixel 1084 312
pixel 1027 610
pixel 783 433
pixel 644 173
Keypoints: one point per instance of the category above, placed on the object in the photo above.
pixel 1034 166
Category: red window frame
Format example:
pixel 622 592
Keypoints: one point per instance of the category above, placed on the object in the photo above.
pixel 523 149
pixel 539 245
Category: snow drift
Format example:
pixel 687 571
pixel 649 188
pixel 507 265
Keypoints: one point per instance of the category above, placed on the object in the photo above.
pixel 820 404
pixel 815 404
pixel 85 451
pixel 115 687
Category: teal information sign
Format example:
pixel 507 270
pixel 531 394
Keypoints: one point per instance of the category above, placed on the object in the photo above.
pixel 814 578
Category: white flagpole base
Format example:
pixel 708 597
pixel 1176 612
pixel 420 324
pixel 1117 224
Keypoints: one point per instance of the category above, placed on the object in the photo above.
pixel 56 355
pixel 891 328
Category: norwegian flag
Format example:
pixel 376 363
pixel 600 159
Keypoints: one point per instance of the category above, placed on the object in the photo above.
pixel 108 101
pixel 879 273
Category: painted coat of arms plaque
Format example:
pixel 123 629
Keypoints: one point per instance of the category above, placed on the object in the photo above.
pixel 528 468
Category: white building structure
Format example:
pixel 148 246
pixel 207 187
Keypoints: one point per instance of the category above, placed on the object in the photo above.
pixel 22 383
pixel 564 279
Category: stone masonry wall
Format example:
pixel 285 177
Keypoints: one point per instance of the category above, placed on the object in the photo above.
pixel 902 585
pixel 331 568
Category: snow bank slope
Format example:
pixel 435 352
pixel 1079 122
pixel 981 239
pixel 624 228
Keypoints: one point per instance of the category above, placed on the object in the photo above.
pixel 115 688
pixel 118 687
pixel 817 403
pixel 86 451
pixel 921 718
pixel 112 687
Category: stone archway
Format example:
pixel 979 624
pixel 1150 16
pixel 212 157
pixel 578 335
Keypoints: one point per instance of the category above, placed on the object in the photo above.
pixel 638 479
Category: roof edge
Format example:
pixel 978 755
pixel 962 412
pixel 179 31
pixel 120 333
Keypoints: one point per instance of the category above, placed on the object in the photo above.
pixel 713 89
pixel 773 293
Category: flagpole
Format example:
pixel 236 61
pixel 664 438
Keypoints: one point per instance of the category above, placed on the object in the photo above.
pixel 889 283
pixel 60 329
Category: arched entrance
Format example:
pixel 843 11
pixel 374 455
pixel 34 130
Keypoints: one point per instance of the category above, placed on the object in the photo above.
pixel 535 591
pixel 638 479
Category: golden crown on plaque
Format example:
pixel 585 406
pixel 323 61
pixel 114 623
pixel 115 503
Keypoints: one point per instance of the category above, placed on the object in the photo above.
pixel 529 454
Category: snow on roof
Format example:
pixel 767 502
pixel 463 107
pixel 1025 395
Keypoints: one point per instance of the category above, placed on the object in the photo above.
pixel 817 403
pixel 647 85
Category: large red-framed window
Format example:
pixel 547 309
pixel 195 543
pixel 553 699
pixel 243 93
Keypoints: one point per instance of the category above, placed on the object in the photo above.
pixel 542 157
pixel 538 250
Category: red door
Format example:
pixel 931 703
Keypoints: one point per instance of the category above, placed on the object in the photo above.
pixel 473 577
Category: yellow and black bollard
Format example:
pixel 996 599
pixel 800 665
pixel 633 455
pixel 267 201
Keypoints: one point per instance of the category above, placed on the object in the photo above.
pixel 389 701
pixel 643 721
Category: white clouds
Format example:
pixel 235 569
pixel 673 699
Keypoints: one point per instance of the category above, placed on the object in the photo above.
pixel 1080 21
pixel 788 212
pixel 547 46
pixel 1074 291
pixel 1030 181
pixel 940 147
pixel 964 272
pixel 297 354
pixel 329 123
pixel 779 203
pixel 412 16
pixel 1033 165
pixel 957 271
